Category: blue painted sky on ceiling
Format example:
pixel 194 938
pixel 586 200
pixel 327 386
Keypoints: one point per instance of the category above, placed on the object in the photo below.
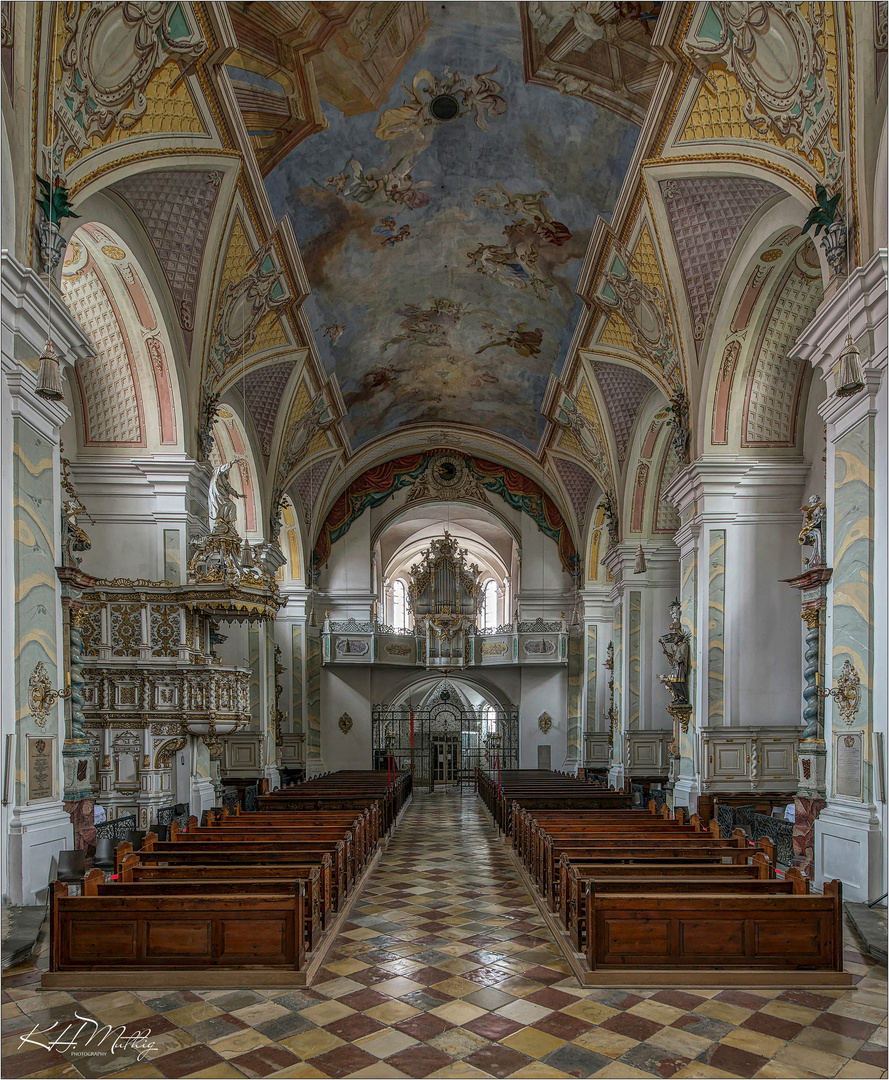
pixel 443 254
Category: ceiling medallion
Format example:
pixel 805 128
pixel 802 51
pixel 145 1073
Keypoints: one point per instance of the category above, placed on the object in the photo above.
pixel 444 107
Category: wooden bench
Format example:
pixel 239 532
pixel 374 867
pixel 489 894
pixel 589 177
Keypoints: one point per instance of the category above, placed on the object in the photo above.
pixel 756 876
pixel 216 854
pixel 134 881
pixel 96 933
pixel 629 931
pixel 244 839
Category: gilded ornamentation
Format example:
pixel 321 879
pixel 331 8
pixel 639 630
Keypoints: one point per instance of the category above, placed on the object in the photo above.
pixel 846 693
pixel 126 629
pixel 545 722
pixel 41 696
pixel 73 536
pixel 345 723
pixel 791 98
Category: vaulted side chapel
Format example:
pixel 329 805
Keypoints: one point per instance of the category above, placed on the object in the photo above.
pixel 444 392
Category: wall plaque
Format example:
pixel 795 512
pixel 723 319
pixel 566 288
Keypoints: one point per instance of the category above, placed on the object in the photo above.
pixel 847 764
pixel 41 773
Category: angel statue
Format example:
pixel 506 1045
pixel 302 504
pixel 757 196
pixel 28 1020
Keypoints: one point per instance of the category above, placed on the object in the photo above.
pixel 221 499
pixel 812 532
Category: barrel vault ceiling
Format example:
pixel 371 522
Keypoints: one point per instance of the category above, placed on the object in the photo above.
pixel 507 228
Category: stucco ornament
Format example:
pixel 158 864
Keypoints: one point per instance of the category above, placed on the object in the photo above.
pixel 777 58
pixel 222 510
pixel 243 306
pixel 642 308
pixel 318 417
pixel 345 723
pixel 545 722
pixel 110 56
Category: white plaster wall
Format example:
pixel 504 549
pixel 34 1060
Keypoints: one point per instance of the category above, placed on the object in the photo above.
pixel 543 690
pixel 346 690
pixel 762 624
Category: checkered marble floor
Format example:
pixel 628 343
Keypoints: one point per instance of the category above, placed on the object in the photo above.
pixel 446 969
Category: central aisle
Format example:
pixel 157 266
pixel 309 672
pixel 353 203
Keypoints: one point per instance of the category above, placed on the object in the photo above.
pixel 446 926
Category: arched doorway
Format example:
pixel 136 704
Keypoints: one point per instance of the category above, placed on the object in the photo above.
pixel 442 727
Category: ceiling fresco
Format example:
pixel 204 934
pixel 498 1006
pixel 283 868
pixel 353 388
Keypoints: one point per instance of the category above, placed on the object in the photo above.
pixel 443 233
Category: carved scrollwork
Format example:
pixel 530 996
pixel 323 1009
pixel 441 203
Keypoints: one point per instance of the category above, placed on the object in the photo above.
pixel 792 97
pixel 545 722
pixel 111 54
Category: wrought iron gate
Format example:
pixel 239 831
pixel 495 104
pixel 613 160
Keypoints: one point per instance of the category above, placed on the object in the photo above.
pixel 450 739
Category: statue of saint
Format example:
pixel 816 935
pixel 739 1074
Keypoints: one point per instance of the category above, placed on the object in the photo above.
pixel 812 532
pixel 676 649
pixel 223 513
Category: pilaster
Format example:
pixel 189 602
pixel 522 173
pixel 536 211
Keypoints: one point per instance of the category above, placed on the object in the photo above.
pixel 849 832
pixel 34 819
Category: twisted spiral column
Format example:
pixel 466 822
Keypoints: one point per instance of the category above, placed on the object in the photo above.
pixel 810 692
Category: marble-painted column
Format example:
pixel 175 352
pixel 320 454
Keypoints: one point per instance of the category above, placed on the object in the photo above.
pixel 716 629
pixel 812 758
pixel 598 614
pixel 850 831
pixel 33 820
pixel 314 757
pixel 573 757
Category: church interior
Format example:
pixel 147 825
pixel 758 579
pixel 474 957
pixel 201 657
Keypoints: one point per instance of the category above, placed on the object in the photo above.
pixel 401 685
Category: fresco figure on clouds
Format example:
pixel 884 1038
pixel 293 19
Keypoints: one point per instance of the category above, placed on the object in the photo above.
pixel 401 212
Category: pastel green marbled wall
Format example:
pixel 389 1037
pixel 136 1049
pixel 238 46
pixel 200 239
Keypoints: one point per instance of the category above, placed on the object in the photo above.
pixel 618 657
pixel 634 660
pixel 35 585
pixel 313 697
pixel 255 724
pixel 716 630
pixel 575 684
pixel 296 684
pixel 592 659
pixel 853 558
pixel 688 598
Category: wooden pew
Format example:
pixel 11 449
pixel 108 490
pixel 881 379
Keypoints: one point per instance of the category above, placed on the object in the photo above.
pixel 638 849
pixel 263 838
pixel 176 854
pixel 102 933
pixel 182 886
pixel 627 931
pixel 756 876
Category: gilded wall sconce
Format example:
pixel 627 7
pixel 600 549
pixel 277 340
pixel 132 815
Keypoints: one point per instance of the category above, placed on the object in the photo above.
pixel 41 696
pixel 846 693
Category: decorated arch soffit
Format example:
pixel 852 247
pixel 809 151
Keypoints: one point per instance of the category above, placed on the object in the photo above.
pixel 755 383
pixel 168 148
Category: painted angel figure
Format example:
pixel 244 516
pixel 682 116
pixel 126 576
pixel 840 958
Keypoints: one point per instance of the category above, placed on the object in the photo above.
pixel 223 512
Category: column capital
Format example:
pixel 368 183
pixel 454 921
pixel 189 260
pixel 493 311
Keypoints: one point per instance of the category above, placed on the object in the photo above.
pixel 729 488
pixel 29 307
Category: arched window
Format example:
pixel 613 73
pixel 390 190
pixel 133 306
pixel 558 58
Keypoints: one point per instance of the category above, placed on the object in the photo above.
pixel 489 606
pixel 399 605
